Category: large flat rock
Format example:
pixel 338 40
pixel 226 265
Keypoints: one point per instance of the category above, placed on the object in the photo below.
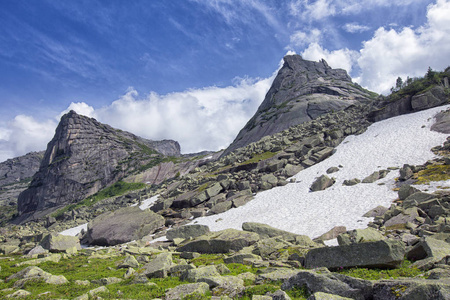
pixel 381 254
pixel 122 226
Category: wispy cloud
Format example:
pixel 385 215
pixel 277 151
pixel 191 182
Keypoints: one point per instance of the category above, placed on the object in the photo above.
pixel 355 27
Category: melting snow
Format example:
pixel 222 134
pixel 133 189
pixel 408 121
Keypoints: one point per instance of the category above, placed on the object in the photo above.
pixel 401 140
pixel 75 230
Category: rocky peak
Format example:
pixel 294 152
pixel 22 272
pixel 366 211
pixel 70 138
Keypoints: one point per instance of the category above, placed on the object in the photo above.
pixel 302 91
pixel 83 157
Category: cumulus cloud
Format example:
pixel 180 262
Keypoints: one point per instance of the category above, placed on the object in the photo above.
pixel 81 108
pixel 342 58
pixel 199 119
pixel 406 52
pixel 24 134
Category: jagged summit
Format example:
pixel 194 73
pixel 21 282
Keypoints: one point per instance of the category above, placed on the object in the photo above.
pixel 83 157
pixel 301 91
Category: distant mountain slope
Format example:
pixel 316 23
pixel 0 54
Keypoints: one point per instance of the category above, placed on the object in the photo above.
pixel 20 168
pixel 83 157
pixel 301 91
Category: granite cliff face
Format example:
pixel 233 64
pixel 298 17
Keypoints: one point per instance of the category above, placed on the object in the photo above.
pixel 302 91
pixel 83 157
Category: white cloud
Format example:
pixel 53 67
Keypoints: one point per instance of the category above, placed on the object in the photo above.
pixel 313 10
pixel 24 134
pixel 321 9
pixel 302 38
pixel 342 58
pixel 355 27
pixel 199 119
pixel 80 108
pixel 406 52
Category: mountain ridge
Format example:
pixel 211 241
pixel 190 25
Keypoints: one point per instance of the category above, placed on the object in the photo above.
pixel 83 157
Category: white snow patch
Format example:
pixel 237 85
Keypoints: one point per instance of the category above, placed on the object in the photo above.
pixel 401 140
pixel 147 203
pixel 75 230
pixel 433 186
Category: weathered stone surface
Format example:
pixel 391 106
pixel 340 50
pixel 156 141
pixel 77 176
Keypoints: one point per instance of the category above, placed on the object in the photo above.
pixel 266 231
pixel 411 289
pixel 275 275
pixel 184 290
pixel 35 273
pixel 322 183
pixel 372 177
pixel 66 175
pixel 60 243
pixel 233 282
pixel 375 212
pixel 239 258
pixel 351 182
pixel 194 275
pixel 291 170
pixel 188 231
pixel 220 242
pixel 428 251
pixel 158 266
pixel 129 262
pixel 434 97
pixel 408 215
pixel 220 207
pixel 360 236
pixel 417 198
pixel 330 283
pixel 180 270
pixel 332 233
pixel 405 191
pixel 19 294
pixel 123 225
pixel 442 123
pixel 384 254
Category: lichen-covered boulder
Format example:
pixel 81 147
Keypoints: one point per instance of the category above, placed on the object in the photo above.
pixel 60 243
pixel 220 242
pixel 188 231
pixel 191 289
pixel 382 254
pixel 122 226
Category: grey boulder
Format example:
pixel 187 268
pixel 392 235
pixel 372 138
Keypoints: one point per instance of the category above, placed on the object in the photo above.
pixel 122 226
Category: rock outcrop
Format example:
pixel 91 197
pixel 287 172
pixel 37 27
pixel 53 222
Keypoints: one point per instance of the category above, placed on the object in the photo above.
pixel 302 91
pixel 83 157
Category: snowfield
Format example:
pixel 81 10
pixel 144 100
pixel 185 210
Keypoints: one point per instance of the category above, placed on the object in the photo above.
pixel 401 140
pixel 393 142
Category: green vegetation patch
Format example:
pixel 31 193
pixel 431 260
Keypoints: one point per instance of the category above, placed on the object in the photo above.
pixel 258 157
pixel 208 259
pixel 405 270
pixel 117 189
pixel 433 173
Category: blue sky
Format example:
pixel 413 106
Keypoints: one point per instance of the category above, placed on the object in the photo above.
pixel 194 71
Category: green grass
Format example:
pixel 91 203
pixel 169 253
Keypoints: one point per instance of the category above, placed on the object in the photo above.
pixel 405 270
pixel 258 157
pixel 117 189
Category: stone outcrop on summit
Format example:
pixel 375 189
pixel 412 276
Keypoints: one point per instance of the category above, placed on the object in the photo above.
pixel 302 91
pixel 83 157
